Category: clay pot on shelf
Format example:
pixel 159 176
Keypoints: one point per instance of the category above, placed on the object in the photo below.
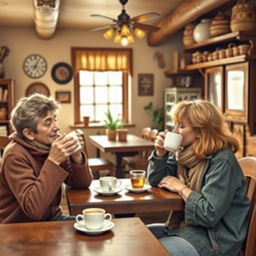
pixel 243 16
pixel 244 49
pixel 220 25
pixel 1 70
pixel 188 38
pixel 202 30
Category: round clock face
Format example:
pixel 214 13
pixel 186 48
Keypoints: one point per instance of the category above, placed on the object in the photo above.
pixel 35 66
pixel 37 87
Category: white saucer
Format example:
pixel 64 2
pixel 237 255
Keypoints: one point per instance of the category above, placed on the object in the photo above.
pixel 108 193
pixel 106 227
pixel 138 190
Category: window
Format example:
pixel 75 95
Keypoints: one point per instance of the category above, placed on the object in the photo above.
pixel 101 78
pixel 100 91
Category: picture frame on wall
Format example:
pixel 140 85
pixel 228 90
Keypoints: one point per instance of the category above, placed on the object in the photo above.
pixel 63 96
pixel 236 91
pixel 145 84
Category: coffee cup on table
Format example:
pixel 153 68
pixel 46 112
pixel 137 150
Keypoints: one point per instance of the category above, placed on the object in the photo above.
pixel 172 141
pixel 93 218
pixel 109 183
pixel 73 134
pixel 138 178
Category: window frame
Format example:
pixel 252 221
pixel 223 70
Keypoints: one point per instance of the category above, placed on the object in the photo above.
pixel 126 76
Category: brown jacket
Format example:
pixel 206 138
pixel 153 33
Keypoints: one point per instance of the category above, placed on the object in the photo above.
pixel 30 185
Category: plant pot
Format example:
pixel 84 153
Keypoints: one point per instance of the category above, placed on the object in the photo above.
pixel 111 134
pixel 86 120
pixel 122 134
pixel 1 70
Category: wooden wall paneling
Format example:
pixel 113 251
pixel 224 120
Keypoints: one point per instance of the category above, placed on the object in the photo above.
pixel 239 132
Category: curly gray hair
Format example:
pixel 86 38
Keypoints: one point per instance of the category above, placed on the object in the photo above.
pixel 27 110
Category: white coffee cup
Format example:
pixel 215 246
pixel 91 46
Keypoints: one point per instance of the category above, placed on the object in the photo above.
pixel 109 183
pixel 74 135
pixel 172 141
pixel 93 218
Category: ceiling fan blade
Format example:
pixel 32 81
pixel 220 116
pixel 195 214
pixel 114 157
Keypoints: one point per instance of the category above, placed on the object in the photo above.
pixel 101 28
pixel 146 16
pixel 146 27
pixel 102 16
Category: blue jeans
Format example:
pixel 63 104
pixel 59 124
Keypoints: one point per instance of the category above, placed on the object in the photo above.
pixel 175 245
pixel 65 217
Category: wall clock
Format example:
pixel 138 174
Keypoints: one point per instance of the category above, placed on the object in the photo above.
pixel 35 66
pixel 37 87
pixel 61 73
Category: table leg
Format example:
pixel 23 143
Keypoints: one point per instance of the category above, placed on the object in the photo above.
pixel 118 162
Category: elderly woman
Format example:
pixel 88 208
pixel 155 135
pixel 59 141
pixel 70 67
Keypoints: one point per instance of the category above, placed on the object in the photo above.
pixel 206 174
pixel 36 163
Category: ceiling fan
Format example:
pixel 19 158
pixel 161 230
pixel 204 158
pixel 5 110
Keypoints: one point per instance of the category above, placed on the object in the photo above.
pixel 124 24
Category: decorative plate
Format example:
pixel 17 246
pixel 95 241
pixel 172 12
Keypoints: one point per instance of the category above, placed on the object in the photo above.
pixel 38 87
pixel 61 73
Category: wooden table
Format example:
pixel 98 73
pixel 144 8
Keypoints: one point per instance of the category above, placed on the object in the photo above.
pixel 154 200
pixel 132 146
pixel 129 237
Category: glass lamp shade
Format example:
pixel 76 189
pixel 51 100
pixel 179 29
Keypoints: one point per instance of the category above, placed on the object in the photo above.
pixel 125 30
pixel 124 41
pixel 117 38
pixel 139 33
pixel 109 34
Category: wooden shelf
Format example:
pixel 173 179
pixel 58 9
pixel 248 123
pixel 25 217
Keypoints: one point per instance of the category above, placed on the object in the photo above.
pixel 181 72
pixel 232 60
pixel 227 38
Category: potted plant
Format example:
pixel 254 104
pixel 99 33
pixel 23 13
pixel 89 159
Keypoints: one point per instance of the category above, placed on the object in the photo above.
pixel 111 125
pixel 157 116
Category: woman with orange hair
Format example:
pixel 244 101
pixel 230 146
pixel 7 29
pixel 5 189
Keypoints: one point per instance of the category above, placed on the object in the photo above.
pixel 205 173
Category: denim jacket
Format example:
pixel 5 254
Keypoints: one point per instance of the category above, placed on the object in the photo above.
pixel 218 215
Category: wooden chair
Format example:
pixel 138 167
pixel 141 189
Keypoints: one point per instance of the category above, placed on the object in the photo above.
pixel 99 164
pixel 140 161
pixel 248 165
pixel 3 142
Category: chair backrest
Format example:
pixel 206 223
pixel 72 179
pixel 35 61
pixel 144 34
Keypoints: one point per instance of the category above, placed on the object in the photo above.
pixel 153 134
pixel 3 142
pixel 145 133
pixel 248 165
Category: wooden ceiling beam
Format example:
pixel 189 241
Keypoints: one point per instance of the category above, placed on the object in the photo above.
pixel 185 13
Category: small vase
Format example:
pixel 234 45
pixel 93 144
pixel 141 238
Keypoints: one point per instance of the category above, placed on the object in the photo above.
pixel 86 120
pixel 202 30
pixel 1 70
pixel 122 134
pixel 111 134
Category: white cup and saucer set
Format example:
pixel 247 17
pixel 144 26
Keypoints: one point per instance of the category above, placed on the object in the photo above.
pixel 94 221
pixel 108 186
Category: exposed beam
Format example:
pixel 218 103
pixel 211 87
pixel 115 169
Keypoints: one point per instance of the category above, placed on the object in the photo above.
pixel 185 13
pixel 46 14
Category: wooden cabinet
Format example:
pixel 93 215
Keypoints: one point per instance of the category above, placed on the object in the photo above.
pixel 229 81
pixel 173 96
pixel 6 105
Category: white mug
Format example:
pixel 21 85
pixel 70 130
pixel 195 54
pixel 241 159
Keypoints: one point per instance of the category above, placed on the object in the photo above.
pixel 74 135
pixel 93 218
pixel 109 183
pixel 172 141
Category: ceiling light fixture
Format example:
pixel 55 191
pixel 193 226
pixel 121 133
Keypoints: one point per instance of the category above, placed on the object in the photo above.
pixel 124 28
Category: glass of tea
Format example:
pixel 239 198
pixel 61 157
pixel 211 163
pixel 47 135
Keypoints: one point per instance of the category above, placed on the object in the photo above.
pixel 137 178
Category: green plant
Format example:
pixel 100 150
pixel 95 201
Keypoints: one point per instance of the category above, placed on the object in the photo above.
pixel 157 116
pixel 111 123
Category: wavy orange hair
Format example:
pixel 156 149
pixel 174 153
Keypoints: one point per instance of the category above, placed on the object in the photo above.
pixel 209 121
